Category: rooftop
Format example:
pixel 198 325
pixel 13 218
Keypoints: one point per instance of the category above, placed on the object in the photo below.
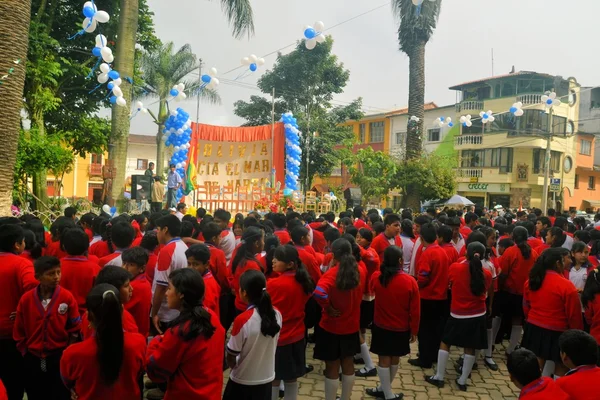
pixel 142 139
pixel 509 75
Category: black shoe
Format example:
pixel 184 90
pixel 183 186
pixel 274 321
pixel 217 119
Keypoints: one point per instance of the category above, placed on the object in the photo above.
pixel 460 386
pixel 359 361
pixel 363 372
pixel 417 362
pixel 459 369
pixel 492 366
pixel 434 382
pixel 311 338
pixel 281 393
pixel 308 368
pixel 374 392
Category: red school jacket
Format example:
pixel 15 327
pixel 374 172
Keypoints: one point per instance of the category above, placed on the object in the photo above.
pixel 432 273
pixel 129 324
pixel 398 305
pixel 244 266
pixel 555 305
pixel 283 235
pixel 517 268
pixel 100 249
pixel 16 278
pixel 371 259
pixel 53 250
pixel 382 242
pixel 345 301
pixel 140 304
pixel 218 267
pixel 464 303
pixel 592 317
pixel 179 363
pixel 77 275
pixel 212 293
pixel 580 383
pixel 81 372
pixel 151 267
pixel 306 254
pixel 42 331
pixel 543 389
pixel 290 299
pixel 451 252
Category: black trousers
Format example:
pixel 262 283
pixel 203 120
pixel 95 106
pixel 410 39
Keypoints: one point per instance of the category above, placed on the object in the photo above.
pixel 12 369
pixel 235 391
pixel 434 314
pixel 43 381
pixel 156 206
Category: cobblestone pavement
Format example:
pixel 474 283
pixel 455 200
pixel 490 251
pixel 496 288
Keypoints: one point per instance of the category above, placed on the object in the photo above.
pixel 484 384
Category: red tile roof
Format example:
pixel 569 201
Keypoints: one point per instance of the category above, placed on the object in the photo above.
pixel 402 111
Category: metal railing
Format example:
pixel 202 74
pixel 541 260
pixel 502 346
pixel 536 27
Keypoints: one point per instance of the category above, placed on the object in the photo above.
pixel 530 98
pixel 469 172
pixel 469 105
pixel 463 140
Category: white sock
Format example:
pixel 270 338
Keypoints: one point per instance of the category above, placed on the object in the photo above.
pixel 466 369
pixel 364 352
pixel 357 356
pixel 386 385
pixel 281 385
pixel 393 372
pixel 274 392
pixel 291 391
pixel 347 385
pixel 548 368
pixel 515 338
pixel 441 365
pixel 496 324
pixel 331 387
pixel 490 337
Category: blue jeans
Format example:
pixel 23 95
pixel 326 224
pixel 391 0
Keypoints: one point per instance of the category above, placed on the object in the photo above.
pixel 171 197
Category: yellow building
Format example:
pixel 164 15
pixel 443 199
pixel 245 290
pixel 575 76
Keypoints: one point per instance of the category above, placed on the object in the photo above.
pixel 502 163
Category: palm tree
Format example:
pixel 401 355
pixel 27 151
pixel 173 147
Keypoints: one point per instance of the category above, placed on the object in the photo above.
pixel 14 40
pixel 162 69
pixel 415 30
pixel 240 16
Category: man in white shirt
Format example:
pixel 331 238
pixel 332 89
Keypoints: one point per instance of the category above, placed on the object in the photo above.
pixel 227 244
pixel 180 211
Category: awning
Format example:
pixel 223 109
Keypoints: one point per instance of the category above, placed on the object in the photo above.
pixel 321 188
pixel 593 203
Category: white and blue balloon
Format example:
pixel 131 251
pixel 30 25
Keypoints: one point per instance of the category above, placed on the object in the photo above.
pixel 93 17
pixel 314 34
pixel 177 92
pixel 253 62
pixel 293 152
pixel 210 80
pixel 177 133
pixel 443 121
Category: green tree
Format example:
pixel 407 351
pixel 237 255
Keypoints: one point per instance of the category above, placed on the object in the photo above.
pixel 415 30
pixel 430 174
pixel 305 82
pixel 372 171
pixel 163 68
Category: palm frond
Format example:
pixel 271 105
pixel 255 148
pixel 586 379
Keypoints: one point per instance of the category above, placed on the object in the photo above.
pixel 240 16
pixel 415 27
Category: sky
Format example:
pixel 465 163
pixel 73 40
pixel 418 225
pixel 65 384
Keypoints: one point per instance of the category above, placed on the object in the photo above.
pixel 550 36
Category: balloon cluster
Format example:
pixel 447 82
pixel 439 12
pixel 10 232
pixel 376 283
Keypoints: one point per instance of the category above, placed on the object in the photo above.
pixel 293 152
pixel 465 120
pixel 443 121
pixel 550 100
pixel 177 92
pixel 487 117
pixel 177 133
pixel 210 80
pixel 253 62
pixel 109 210
pixel 93 17
pixel 314 35
pixel 139 107
pixel 516 109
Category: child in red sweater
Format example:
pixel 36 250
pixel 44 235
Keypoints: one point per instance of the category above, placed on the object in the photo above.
pixel 390 237
pixel 579 353
pixel 150 244
pixel 525 373
pixel 107 366
pixel 198 258
pixel 134 261
pixel 590 298
pixel 57 228
pixel 122 235
pixel 47 322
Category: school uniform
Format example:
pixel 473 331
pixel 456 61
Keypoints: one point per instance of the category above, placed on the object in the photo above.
pixel 212 292
pixel 579 383
pixel 466 326
pixel 288 296
pixel 450 252
pixel 536 244
pixel 415 257
pixel 188 367
pixel 100 249
pixel 27 255
pixel 95 239
pixel 552 309
pixel 218 267
pixel 592 317
pixel 339 336
pixel 283 235
pixel 129 324
pixel 3 395
pixel 306 254
pixel 360 223
pixel 16 278
pixel 318 243
pixel 465 231
pixel 151 267
pixel 371 260
pixel 255 370
pixel 80 370
pixel 244 266
pixel 77 275
pixel 326 262
pixel 382 242
pixel 459 245
pixel 53 249
pixel 171 258
pixel 42 331
pixel 113 259
pixel 543 389
pixel 140 304
pixel 408 245
pixel 516 269
pixel 397 314
pixel 89 233
pixel 227 244
pixel 432 278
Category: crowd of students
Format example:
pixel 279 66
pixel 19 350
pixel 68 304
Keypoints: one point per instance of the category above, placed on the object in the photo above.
pixel 91 306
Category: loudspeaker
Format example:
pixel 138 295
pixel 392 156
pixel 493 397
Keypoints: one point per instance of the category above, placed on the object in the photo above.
pixel 353 197
pixel 141 187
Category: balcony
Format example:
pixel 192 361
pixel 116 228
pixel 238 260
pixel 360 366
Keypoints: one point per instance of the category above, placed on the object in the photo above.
pixel 483 175
pixel 468 140
pixel 469 173
pixel 530 99
pixel 469 105
pixel 95 170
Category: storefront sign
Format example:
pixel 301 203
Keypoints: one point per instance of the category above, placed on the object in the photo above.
pixel 484 187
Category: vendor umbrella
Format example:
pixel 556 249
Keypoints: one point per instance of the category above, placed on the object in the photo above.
pixel 457 200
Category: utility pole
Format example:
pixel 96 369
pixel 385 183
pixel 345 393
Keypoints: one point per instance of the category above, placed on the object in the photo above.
pixel 547 163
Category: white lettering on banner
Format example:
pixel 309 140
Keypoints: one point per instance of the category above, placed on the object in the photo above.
pixel 484 187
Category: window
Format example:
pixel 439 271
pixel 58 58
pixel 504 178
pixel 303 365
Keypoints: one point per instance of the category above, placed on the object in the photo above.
pixel 433 135
pixel 585 147
pixel 400 138
pixel 538 161
pixel 96 158
pixel 501 158
pixel 576 181
pixel 377 132
pixel 337 169
pixel 142 164
pixel 592 183
pixel 362 133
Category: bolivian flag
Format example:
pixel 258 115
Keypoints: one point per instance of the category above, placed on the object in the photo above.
pixel 190 182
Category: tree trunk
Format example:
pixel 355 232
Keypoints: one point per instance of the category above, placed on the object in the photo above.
pixel 124 63
pixel 40 178
pixel 14 40
pixel 416 99
pixel 160 145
